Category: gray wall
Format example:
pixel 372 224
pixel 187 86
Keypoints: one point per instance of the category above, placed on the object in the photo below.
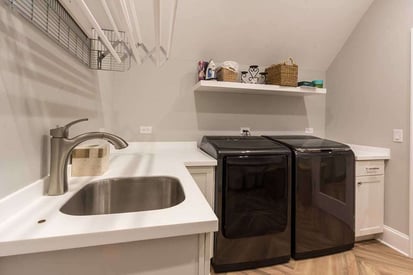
pixel 40 86
pixel 369 92
pixel 163 98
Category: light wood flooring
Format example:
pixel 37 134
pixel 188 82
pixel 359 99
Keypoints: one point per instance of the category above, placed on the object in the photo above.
pixel 369 257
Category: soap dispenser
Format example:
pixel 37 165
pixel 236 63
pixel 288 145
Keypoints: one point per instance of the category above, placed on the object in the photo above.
pixel 211 71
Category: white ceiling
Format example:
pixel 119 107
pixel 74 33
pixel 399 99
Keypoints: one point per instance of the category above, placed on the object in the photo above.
pixel 250 32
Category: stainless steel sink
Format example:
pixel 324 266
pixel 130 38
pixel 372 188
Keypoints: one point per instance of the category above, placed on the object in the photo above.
pixel 121 195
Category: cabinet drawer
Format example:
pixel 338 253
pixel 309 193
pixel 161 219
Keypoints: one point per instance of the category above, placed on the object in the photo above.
pixel 369 167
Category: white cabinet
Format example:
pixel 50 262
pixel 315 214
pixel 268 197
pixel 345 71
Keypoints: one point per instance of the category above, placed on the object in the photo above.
pixel 186 255
pixel 204 177
pixel 369 197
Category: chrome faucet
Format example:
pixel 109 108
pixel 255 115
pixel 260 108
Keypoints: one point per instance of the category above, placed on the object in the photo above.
pixel 61 148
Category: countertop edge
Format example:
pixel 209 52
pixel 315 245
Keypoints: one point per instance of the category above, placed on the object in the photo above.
pixel 363 152
pixel 56 243
pixel 377 157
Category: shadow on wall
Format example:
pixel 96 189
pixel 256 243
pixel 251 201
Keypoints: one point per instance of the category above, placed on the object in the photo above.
pixel 38 81
pixel 218 111
pixel 33 107
pixel 40 86
pixel 20 45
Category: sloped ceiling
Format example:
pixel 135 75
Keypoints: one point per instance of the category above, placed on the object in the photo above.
pixel 250 32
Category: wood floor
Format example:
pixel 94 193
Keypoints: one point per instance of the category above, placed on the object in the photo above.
pixel 369 257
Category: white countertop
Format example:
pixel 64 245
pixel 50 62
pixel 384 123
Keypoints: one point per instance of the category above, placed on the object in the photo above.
pixel 363 152
pixel 19 213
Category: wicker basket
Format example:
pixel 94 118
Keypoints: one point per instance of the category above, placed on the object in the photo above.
pixel 224 74
pixel 283 74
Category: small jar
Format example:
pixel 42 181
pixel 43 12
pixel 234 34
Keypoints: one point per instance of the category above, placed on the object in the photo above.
pixel 244 77
pixel 254 71
pixel 263 78
pixel 318 83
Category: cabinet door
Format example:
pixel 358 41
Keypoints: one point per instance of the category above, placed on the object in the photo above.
pixel 369 205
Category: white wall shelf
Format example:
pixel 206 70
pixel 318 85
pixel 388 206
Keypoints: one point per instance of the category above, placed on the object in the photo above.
pixel 263 89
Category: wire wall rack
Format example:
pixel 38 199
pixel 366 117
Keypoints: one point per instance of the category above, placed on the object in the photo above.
pixel 101 59
pixel 51 18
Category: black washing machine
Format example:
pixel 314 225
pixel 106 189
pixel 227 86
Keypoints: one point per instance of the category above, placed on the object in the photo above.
pixel 252 202
pixel 322 196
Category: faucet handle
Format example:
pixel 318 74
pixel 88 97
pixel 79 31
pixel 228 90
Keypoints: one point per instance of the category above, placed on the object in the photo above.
pixel 63 132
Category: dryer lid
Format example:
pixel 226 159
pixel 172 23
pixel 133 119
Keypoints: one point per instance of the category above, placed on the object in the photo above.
pixel 310 143
pixel 215 145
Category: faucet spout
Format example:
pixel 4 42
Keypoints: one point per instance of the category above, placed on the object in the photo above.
pixel 61 149
pixel 116 141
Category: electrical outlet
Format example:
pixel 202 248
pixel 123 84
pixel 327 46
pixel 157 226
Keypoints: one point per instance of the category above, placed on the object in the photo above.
pixel 244 130
pixel 145 130
pixel 397 135
pixel 309 130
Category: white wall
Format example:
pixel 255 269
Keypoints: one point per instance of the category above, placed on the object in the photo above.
pixel 163 98
pixel 262 33
pixel 369 93
pixel 40 86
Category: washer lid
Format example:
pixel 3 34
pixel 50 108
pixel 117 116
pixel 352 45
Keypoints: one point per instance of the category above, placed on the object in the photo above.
pixel 224 145
pixel 310 143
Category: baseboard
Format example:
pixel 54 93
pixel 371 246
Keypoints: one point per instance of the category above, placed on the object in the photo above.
pixel 368 237
pixel 396 240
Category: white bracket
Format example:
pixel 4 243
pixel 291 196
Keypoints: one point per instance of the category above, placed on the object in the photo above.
pixel 158 54
pixel 130 31
pixel 99 30
pixel 112 21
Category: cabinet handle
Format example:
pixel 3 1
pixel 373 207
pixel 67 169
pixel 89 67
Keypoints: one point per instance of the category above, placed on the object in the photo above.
pixel 372 168
pixel 373 181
